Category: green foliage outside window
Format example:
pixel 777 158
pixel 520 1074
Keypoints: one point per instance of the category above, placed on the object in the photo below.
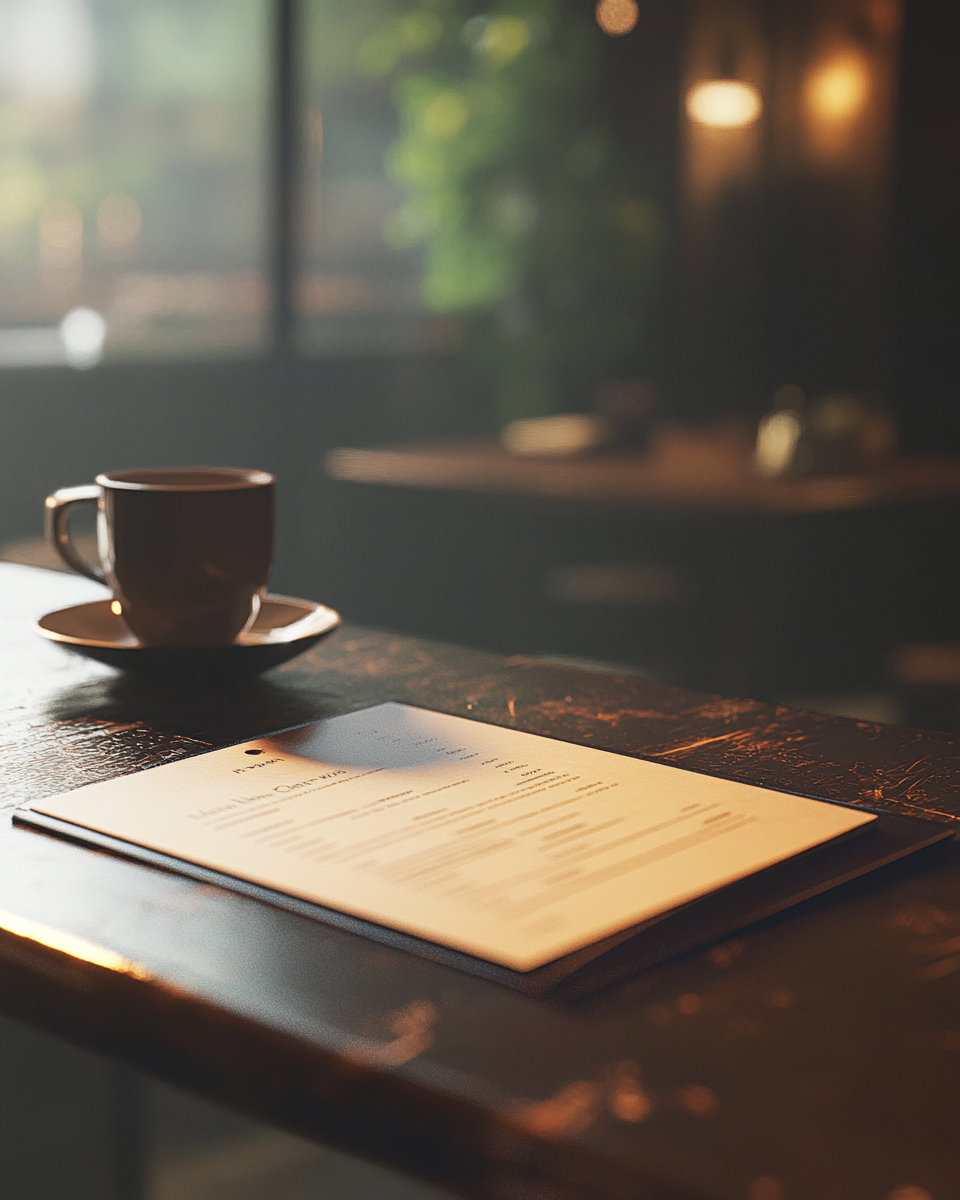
pixel 532 218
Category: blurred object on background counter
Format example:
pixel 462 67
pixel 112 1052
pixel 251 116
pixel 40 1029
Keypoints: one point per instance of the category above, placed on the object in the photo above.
pixel 680 560
pixel 560 436
pixel 622 420
pixel 837 434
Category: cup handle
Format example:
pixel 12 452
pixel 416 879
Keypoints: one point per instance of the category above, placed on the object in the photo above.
pixel 58 508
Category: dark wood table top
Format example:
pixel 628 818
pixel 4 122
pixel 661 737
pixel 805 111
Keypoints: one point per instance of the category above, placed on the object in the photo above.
pixel 813 1056
pixel 682 470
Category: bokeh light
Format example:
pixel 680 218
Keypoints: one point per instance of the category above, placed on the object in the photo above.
pixel 838 88
pixel 617 17
pixel 885 16
pixel 724 104
pixel 497 41
pixel 118 225
pixel 61 245
pixel 444 116
pixel 83 331
pixel 49 52
pixel 61 234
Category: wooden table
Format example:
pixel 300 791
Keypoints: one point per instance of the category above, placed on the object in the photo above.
pixel 680 560
pixel 814 1056
pixel 681 469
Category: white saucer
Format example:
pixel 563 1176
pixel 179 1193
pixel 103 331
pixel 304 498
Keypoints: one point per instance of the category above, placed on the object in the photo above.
pixel 284 628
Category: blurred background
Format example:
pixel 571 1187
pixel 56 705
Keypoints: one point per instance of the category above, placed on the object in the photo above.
pixel 622 333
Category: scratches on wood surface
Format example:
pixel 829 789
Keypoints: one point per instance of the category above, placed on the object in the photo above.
pixel 60 729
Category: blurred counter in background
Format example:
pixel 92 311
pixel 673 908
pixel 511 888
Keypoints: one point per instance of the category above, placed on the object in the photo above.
pixel 680 562
pixel 683 468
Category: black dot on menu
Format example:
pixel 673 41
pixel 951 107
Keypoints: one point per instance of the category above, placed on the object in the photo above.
pixel 253 751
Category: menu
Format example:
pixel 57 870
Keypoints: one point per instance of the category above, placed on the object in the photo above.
pixel 511 847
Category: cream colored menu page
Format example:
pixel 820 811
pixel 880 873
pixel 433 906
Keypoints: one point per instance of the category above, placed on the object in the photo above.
pixel 512 847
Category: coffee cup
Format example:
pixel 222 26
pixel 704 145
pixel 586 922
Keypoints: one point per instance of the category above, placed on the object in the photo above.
pixel 186 551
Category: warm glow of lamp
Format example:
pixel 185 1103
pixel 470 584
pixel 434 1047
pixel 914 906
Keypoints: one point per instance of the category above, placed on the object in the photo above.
pixel 724 104
pixel 617 17
pixel 838 88
pixel 116 608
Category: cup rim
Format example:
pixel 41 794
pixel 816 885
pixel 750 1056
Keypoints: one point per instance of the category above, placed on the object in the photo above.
pixel 165 479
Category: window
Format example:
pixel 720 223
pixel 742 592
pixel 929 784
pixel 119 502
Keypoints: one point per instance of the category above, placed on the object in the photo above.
pixel 355 293
pixel 134 173
pixel 404 178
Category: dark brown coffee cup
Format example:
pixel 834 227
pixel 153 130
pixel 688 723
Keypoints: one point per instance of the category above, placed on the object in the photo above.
pixel 186 550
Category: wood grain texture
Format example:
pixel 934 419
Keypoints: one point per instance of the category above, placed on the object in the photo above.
pixel 819 1050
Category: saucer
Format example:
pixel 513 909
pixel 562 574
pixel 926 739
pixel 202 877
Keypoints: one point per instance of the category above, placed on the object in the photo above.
pixel 284 628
